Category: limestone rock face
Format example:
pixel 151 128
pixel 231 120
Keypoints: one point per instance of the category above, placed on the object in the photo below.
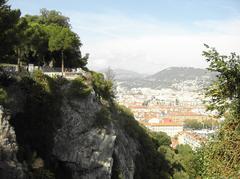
pixel 87 151
pixel 81 150
pixel 125 150
pixel 9 166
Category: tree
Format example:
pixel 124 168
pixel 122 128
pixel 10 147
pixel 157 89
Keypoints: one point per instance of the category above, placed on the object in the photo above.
pixel 52 17
pixel 37 43
pixel 171 157
pixel 8 22
pixel 224 92
pixel 193 124
pixel 186 157
pixel 184 150
pixel 110 76
pixel 51 27
pixel 49 17
pixel 102 87
pixel 21 39
pixel 161 138
pixel 221 155
pixel 3 95
pixel 38 39
pixel 62 39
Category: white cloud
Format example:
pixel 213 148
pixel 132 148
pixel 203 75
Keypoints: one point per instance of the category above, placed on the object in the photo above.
pixel 148 45
pixel 153 53
pixel 229 27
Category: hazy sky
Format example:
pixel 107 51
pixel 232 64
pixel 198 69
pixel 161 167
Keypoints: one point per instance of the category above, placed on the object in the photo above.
pixel 147 35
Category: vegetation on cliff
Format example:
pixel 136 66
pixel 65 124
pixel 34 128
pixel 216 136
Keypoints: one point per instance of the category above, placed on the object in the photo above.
pixel 220 157
pixel 33 103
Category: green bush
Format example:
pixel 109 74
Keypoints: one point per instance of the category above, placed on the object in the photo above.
pixel 161 138
pixel 78 88
pixel 46 82
pixel 187 157
pixel 171 157
pixel 3 96
pixel 103 88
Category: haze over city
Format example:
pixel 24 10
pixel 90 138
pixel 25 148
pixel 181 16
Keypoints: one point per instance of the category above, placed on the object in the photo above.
pixel 141 35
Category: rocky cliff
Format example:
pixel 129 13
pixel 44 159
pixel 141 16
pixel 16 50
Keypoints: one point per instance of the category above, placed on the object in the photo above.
pixel 51 131
pixel 88 150
pixel 9 165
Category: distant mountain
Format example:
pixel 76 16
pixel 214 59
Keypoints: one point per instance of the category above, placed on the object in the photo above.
pixel 181 74
pixel 122 75
pixel 164 78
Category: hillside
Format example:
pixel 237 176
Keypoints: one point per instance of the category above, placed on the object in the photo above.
pixel 127 74
pixel 167 77
pixel 181 74
pixel 122 74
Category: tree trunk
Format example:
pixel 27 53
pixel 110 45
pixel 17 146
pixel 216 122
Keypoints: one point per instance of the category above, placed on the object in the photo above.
pixel 39 64
pixel 62 64
pixel 18 60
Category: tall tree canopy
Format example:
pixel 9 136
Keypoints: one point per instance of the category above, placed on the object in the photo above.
pixel 62 39
pixel 49 17
pixel 37 44
pixel 38 39
pixel 8 28
pixel 53 17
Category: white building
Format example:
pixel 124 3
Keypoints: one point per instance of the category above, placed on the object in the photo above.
pixel 171 129
pixel 192 139
pixel 154 120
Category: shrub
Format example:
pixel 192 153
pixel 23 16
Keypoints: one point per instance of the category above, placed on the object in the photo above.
pixel 102 87
pixel 161 138
pixel 3 96
pixel 46 82
pixel 187 158
pixel 78 88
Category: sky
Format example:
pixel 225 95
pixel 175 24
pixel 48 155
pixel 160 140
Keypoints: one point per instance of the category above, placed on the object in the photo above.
pixel 147 36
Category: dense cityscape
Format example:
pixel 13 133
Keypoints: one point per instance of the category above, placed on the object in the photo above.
pixel 169 110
